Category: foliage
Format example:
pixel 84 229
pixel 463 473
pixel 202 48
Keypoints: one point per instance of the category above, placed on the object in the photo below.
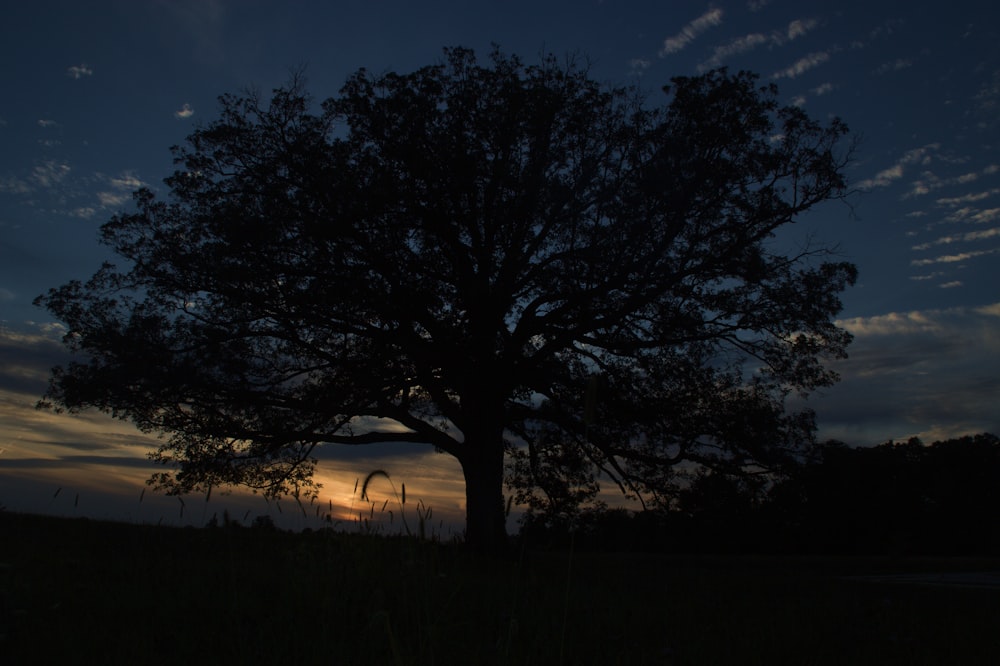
pixel 459 257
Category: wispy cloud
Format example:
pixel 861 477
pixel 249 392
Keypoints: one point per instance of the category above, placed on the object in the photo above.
pixel 893 323
pixel 803 65
pixel 799 28
pixel 960 238
pixel 46 123
pixel 79 71
pixel 929 181
pixel 951 285
pixel 184 112
pixel 112 199
pixel 929 276
pixel 892 66
pixel 13 185
pixel 733 48
pixel 973 215
pixel 988 101
pixel 50 173
pixel 967 198
pixel 888 176
pixel 121 188
pixel 795 29
pixel 127 181
pixel 691 31
pixel 639 65
pixel 954 258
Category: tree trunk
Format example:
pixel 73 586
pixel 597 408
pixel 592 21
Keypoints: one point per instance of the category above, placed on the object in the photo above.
pixel 485 518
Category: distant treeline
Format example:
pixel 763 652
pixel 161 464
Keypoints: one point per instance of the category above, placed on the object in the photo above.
pixel 897 498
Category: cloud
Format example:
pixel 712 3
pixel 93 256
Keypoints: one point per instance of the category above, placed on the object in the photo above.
pixel 822 89
pixel 950 285
pixel 13 185
pixel 122 187
pixel 928 373
pixel 888 176
pixel 930 276
pixel 929 181
pixel 46 123
pixel 987 215
pixel 800 27
pixel 185 112
pixel 127 181
pixel 735 47
pixel 795 29
pixel 79 71
pixel 83 212
pixel 803 65
pixel 26 357
pixel 892 66
pixel 893 323
pixel 960 238
pixel 112 199
pixel 50 173
pixel 639 65
pixel 988 101
pixel 968 198
pixel 974 215
pixel 691 31
pixel 954 258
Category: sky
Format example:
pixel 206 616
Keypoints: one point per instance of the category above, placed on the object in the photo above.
pixel 94 94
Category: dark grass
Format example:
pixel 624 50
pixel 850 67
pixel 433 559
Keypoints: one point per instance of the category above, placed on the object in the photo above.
pixel 78 591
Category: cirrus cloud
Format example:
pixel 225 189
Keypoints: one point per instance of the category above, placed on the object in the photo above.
pixel 79 71
pixel 691 31
pixel 803 65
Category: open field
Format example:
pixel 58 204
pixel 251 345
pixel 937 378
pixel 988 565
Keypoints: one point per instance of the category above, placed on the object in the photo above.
pixel 78 591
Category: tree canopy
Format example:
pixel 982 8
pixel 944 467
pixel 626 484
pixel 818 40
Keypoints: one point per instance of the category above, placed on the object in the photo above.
pixel 508 262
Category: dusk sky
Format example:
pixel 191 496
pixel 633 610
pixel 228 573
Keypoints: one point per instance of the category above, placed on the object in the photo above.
pixel 94 94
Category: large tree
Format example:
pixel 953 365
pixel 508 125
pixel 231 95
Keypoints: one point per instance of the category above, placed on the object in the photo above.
pixel 495 259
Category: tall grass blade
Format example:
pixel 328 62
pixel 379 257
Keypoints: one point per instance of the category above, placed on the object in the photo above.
pixel 368 479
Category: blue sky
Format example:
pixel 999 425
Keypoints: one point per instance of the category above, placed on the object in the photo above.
pixel 94 94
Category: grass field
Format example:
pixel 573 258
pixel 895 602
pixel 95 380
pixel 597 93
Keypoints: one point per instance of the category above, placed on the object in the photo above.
pixel 75 591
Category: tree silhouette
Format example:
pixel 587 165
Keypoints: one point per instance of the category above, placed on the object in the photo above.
pixel 937 499
pixel 478 257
